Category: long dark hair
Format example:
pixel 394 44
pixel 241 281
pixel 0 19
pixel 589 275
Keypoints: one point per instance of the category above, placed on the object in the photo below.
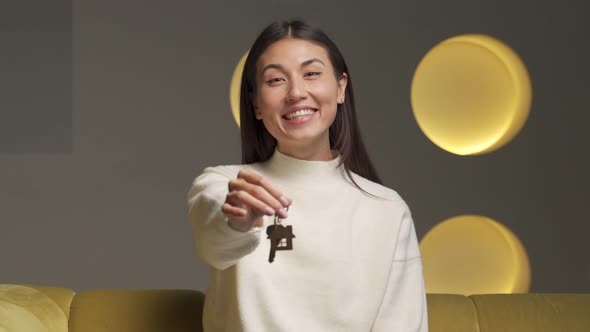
pixel 259 145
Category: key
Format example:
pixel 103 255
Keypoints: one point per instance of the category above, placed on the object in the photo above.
pixel 273 242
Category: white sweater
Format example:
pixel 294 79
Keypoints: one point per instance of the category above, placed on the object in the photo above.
pixel 355 263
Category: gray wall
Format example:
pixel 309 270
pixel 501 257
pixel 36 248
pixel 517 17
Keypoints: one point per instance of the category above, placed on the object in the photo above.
pixel 150 110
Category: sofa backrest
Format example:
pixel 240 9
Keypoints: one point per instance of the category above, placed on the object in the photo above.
pixel 509 313
pixel 181 310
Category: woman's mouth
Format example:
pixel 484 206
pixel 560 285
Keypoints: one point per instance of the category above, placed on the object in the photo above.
pixel 300 114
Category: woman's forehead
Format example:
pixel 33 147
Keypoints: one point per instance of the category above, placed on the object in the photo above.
pixel 292 52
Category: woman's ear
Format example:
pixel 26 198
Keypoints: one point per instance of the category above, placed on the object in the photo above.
pixel 342 82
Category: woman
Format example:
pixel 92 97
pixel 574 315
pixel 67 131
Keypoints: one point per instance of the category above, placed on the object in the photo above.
pixel 347 256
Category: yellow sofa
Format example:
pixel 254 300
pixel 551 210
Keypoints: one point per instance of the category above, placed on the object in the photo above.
pixel 30 308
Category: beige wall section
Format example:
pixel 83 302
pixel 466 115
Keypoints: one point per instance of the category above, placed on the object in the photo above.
pixel 151 110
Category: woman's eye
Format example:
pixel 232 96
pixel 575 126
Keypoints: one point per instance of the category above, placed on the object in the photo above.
pixel 273 80
pixel 313 73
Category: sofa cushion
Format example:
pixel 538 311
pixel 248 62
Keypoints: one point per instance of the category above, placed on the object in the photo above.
pixel 136 311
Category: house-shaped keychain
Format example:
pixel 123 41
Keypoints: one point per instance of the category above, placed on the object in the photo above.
pixel 281 238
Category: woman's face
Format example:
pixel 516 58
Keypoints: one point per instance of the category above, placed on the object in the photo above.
pixel 297 93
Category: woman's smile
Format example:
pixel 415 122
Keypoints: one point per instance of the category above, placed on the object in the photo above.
pixel 299 115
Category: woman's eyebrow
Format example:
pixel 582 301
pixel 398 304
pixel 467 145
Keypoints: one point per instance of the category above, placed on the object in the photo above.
pixel 272 65
pixel 310 61
pixel 303 64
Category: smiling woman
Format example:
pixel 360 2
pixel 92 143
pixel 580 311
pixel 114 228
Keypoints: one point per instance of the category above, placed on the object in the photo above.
pixel 302 151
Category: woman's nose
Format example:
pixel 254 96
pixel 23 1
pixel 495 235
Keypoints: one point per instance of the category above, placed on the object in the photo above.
pixel 297 90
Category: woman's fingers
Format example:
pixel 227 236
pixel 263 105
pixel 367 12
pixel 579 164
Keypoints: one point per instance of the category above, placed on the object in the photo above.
pixel 261 189
pixel 233 211
pixel 258 180
pixel 236 218
pixel 250 197
pixel 242 198
pixel 272 204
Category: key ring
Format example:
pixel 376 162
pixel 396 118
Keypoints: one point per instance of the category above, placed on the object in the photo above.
pixel 277 219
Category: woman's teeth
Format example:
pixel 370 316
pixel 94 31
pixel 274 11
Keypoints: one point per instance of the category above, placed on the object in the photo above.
pixel 298 114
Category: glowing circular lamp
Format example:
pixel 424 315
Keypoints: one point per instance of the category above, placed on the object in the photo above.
pixel 471 94
pixel 473 254
pixel 234 89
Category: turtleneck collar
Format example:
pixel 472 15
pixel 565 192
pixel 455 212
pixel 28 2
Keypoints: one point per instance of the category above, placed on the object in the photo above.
pixel 284 166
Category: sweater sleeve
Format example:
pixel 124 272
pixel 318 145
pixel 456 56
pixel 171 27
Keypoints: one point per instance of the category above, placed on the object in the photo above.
pixel 215 241
pixel 403 307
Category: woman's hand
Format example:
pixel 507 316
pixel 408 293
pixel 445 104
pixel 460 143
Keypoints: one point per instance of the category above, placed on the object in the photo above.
pixel 250 197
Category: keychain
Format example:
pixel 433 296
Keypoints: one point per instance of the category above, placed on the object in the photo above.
pixel 277 233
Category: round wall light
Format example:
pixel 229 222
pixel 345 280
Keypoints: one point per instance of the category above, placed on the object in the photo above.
pixel 471 94
pixel 473 254
pixel 234 89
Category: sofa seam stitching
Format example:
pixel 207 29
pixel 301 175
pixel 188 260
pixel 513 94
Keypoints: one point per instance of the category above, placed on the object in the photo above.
pixel 476 313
